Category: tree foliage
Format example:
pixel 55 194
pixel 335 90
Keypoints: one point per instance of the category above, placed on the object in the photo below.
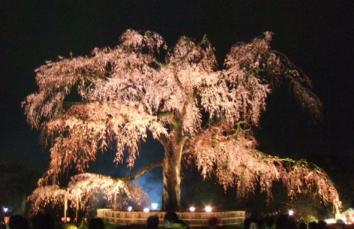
pixel 114 97
pixel 85 191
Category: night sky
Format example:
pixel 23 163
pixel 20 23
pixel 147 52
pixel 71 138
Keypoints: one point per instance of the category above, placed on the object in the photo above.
pixel 316 35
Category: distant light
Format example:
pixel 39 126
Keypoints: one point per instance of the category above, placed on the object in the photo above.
pixel 192 209
pixel 154 206
pixel 65 220
pixel 208 208
pixel 146 210
pixel 291 212
pixel 5 209
pixel 130 208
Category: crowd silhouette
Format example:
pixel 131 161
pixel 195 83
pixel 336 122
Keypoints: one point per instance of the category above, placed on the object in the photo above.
pixel 172 221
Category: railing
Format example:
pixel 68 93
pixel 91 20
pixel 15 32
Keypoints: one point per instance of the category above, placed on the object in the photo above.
pixel 193 219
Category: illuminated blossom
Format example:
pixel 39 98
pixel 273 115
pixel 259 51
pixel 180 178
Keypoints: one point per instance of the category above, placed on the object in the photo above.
pixel 114 97
pixel 236 163
pixel 51 196
pixel 86 190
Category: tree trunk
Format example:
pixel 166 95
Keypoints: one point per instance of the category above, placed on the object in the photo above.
pixel 172 176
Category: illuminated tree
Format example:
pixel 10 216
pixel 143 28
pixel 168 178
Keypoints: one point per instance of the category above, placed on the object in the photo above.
pixel 83 191
pixel 51 196
pixel 199 113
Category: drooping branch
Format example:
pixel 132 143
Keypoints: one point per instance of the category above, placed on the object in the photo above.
pixel 47 196
pixel 81 133
pixel 133 92
pixel 273 67
pixel 236 164
pixel 82 192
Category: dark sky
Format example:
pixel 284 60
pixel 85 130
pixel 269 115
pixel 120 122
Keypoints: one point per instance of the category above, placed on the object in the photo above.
pixel 316 35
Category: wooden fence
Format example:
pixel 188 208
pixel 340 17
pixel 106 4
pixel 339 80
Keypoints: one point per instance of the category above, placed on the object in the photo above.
pixel 193 219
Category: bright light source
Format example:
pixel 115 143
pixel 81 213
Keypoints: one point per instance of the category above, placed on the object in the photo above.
pixel 5 209
pixel 330 221
pixel 208 208
pixel 65 220
pixel 130 208
pixel 154 206
pixel 192 209
pixel 291 212
pixel 146 210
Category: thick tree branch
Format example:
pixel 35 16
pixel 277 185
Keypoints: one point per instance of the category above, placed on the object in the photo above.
pixel 141 172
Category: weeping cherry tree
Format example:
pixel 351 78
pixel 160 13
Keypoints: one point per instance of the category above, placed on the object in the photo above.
pixel 83 191
pixel 199 112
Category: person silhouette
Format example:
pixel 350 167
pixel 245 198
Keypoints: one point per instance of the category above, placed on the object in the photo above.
pixel 96 223
pixel 152 222
pixel 43 221
pixel 171 220
pixel 18 222
pixel 213 222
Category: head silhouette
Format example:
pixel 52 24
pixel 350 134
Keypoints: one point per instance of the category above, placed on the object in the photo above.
pixel 171 217
pixel 282 222
pixel 153 222
pixel 18 222
pixel 43 221
pixel 96 223
pixel 213 222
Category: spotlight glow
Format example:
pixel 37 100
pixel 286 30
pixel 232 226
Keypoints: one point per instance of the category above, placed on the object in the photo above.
pixel 5 209
pixel 192 209
pixel 154 206
pixel 330 221
pixel 291 212
pixel 208 208
pixel 146 210
pixel 130 208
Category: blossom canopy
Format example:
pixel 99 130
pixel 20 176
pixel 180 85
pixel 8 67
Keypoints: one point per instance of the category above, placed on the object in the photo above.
pixel 114 97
